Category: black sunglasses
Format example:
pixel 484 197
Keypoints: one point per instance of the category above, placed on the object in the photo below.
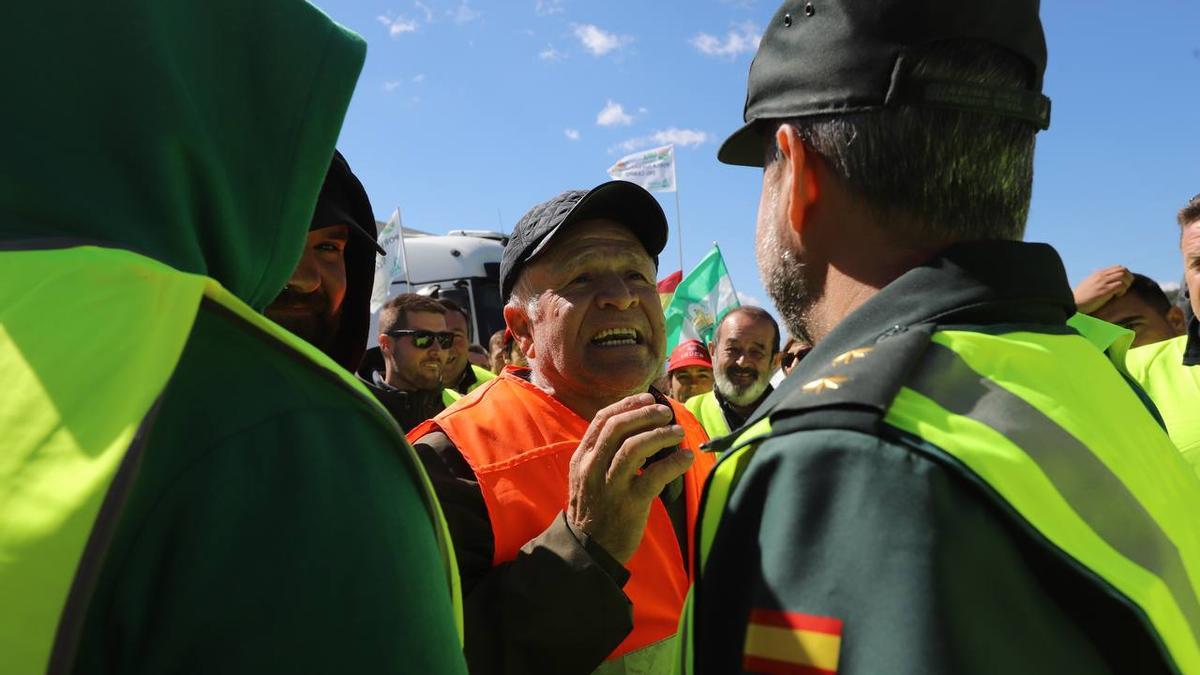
pixel 791 358
pixel 423 339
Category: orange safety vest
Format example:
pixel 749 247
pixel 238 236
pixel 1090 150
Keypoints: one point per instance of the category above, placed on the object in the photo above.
pixel 519 440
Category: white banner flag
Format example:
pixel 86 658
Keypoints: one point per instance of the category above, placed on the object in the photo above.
pixel 390 267
pixel 652 169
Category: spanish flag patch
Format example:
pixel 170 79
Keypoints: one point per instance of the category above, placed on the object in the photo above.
pixel 791 643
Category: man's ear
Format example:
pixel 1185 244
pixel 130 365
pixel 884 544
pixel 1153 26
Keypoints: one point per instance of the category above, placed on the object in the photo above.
pixel 800 178
pixel 517 320
pixel 385 344
pixel 776 361
pixel 1177 321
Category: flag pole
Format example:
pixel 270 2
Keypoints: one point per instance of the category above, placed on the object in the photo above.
pixel 678 219
pixel 679 226
pixel 404 251
pixel 735 293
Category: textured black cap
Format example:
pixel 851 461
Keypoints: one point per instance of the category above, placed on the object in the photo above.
pixel 829 57
pixel 619 200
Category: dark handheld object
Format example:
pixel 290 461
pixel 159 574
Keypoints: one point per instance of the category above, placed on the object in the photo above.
pixel 661 399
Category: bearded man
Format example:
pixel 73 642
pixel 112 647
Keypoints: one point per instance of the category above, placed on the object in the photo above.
pixel 956 479
pixel 745 352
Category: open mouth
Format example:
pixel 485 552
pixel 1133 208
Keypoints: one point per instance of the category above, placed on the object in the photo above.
pixel 617 337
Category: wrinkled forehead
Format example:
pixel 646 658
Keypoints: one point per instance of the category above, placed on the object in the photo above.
pixel 1189 239
pixel 589 242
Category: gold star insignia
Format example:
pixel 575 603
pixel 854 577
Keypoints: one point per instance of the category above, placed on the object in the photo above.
pixel 851 356
pixel 821 384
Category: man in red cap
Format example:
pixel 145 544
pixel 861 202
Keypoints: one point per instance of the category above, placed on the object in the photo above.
pixel 689 371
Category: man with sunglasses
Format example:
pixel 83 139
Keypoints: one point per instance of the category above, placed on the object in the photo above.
pixel 406 372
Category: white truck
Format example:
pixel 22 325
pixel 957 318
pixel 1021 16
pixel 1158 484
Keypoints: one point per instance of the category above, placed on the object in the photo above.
pixel 462 265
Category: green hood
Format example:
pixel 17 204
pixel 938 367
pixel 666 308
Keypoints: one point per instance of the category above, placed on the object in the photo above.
pixel 195 132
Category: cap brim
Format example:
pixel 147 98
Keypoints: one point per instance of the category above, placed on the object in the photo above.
pixel 622 201
pixel 362 232
pixel 689 362
pixel 743 148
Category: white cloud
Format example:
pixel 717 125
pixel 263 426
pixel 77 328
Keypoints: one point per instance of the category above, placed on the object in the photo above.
pixel 571 134
pixel 681 137
pixel 740 39
pixel 426 10
pixel 747 299
pixel 551 54
pixel 598 41
pixel 613 114
pixel 464 13
pixel 398 26
pixel 548 7
pixel 419 78
pixel 391 85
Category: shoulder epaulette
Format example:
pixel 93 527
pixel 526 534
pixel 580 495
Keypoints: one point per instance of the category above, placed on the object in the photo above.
pixel 855 388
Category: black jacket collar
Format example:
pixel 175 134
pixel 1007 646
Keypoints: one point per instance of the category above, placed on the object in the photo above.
pixel 971 283
pixel 1191 349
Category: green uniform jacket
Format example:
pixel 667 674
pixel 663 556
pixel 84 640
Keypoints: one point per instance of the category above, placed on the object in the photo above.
pixel 840 525
pixel 274 523
pixel 1173 381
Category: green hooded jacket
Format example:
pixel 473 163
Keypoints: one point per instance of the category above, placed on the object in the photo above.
pixel 275 523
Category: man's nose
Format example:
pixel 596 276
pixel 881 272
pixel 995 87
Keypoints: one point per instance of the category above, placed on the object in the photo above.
pixel 614 293
pixel 306 278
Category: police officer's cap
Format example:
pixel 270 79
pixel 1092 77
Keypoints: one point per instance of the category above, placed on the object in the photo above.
pixel 830 57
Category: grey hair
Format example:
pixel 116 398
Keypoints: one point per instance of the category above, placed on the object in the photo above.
pixel 524 295
pixel 935 174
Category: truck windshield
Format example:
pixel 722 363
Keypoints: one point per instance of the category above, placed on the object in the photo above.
pixel 486 309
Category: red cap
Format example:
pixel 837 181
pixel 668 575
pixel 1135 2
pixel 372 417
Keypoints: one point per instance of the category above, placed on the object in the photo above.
pixel 689 353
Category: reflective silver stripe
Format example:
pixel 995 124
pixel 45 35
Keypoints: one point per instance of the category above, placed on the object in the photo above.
pixel 1087 485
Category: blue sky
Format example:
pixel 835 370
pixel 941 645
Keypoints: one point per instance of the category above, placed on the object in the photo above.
pixel 468 113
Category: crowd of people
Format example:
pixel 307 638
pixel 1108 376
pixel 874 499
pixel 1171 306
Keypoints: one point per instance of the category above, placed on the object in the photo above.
pixel 946 460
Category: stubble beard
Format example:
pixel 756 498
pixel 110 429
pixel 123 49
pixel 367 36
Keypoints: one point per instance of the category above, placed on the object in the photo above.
pixel 782 274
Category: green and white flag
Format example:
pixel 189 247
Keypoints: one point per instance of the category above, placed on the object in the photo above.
pixel 391 267
pixel 701 300
pixel 653 169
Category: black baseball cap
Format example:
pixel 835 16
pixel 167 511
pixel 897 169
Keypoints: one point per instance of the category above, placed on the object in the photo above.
pixel 831 57
pixel 626 203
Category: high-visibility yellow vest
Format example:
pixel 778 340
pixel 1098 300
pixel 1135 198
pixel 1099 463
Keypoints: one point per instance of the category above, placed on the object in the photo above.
pixel 481 375
pixel 707 409
pixel 72 404
pixel 1105 487
pixel 1174 388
